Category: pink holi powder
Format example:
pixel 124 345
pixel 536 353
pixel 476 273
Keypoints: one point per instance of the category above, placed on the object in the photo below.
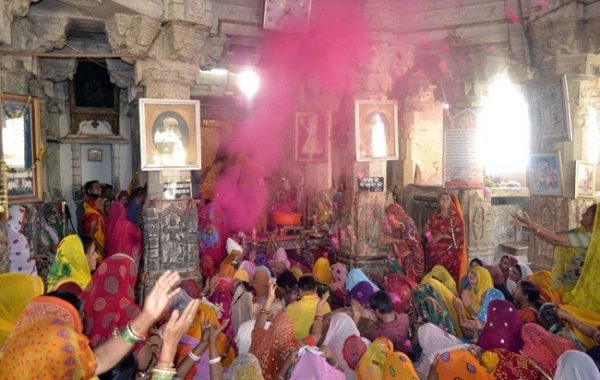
pixel 334 46
pixel 512 17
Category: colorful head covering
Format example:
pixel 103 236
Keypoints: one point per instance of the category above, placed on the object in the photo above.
pixel 207 265
pixel 243 338
pixel 242 306
pixel 543 347
pixel 525 272
pixel 109 299
pixel 507 365
pixel 430 306
pixel 491 295
pixel 248 266
pixel 313 366
pixel 232 246
pixel 449 300
pixel 402 286
pixel 20 251
pixel 484 283
pixel 297 272
pixel 433 341
pixel 70 264
pixel 241 275
pixel 408 248
pixel 442 275
pixel 340 274
pixel 322 271
pixel 273 346
pixel 503 328
pixel 47 344
pixel 458 364
pixel 354 349
pixel 341 327
pixel 16 291
pixel 496 273
pixel 512 262
pixel 576 365
pixel 398 366
pixel 371 364
pixel 244 367
pixel 355 276
pixel 122 236
pixel 280 256
pixel 362 293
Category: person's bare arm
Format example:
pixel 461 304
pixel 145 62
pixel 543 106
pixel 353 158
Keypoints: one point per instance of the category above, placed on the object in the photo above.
pixel 525 221
pixel 110 353
pixel 263 315
pixel 316 330
pixel 216 369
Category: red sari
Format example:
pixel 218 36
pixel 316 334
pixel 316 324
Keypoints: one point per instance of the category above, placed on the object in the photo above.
pixel 408 250
pixel 109 299
pixel 447 252
pixel 93 215
pixel 122 236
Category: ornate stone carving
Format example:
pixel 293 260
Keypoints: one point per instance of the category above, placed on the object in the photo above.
pixel 551 213
pixel 166 79
pixel 83 3
pixel 8 11
pixel 121 73
pixel 479 225
pixel 40 33
pixel 213 51
pixel 170 239
pixel 180 43
pixel 131 34
pixel 195 11
pixel 57 70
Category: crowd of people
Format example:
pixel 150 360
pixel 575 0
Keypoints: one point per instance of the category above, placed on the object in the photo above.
pixel 431 314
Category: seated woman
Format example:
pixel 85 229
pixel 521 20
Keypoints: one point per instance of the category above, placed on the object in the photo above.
pixel 441 274
pixel 431 309
pixel 504 364
pixel 433 342
pixel 464 281
pixel 502 329
pixel 507 262
pixel 72 267
pixel 575 365
pixel 391 325
pixel 480 282
pixel 517 273
pixel 543 347
pixel 527 297
pixel 381 362
pixel 16 291
pixel 459 364
pixel 445 232
pixel 571 250
pixel 406 242
pixel 499 282
pixel 54 320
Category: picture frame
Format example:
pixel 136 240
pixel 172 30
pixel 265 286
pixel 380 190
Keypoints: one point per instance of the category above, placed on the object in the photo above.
pixel 585 179
pixel 376 130
pixel 95 155
pixel 545 175
pixel 21 147
pixel 549 109
pixel 170 134
pixel 312 136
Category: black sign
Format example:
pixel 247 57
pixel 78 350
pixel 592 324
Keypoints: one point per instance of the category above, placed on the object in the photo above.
pixel 177 190
pixel 374 184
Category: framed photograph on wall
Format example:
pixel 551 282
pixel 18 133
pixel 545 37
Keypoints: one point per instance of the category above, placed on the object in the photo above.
pixel 376 129
pixel 170 134
pixel 544 174
pixel 549 109
pixel 585 179
pixel 22 148
pixel 95 155
pixel 312 136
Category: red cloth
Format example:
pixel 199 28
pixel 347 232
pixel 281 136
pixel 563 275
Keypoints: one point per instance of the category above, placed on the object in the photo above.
pixel 446 252
pixel 402 286
pixel 212 232
pixel 515 366
pixel 543 347
pixel 408 250
pixel 122 236
pixel 109 299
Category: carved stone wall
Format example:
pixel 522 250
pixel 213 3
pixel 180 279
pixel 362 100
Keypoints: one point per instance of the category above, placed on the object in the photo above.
pixel 551 213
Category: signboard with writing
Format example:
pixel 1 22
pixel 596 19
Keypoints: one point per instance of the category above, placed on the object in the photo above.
pixel 374 184
pixel 177 190
pixel 462 165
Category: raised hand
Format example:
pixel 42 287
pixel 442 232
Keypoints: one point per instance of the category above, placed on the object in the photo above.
pixel 272 288
pixel 160 296
pixel 177 326
pixel 321 304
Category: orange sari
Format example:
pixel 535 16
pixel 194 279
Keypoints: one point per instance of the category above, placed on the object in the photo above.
pixel 92 214
pixel 47 343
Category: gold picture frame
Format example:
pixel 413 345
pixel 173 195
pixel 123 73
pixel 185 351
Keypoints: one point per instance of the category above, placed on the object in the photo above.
pixel 376 121
pixel 22 149
pixel 585 180
pixel 170 134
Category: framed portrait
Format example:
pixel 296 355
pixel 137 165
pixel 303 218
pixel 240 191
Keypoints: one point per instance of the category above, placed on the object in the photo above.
pixel 95 155
pixel 376 128
pixel 22 148
pixel 585 179
pixel 544 173
pixel 312 136
pixel 549 110
pixel 170 134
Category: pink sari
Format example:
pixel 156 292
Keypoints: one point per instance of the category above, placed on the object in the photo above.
pixel 109 299
pixel 122 236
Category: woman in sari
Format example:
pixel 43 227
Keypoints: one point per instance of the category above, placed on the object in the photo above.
pixel 576 365
pixel 340 275
pixel 450 300
pixel 473 297
pixel 109 299
pixel 507 262
pixel 16 290
pixel 543 347
pixel 401 286
pixel 93 224
pixel 406 242
pixel 242 307
pixel 507 365
pixel 371 364
pixel 245 367
pixel 313 365
pixel 341 327
pixel 48 342
pixel 20 256
pixel 355 276
pixel 434 341
pixel 502 329
pixel 430 307
pixel 322 271
pixel 398 366
pixel 445 232
pixel 281 263
pixel 458 364
pixel 464 281
pixel 517 273
pixel 499 281
pixel 71 269
pixel 441 274
pixel 122 236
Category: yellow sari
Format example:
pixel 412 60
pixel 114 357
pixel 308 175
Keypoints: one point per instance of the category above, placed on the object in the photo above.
pixel 448 298
pixel 587 317
pixel 207 314
pixel 371 365
pixel 563 278
pixel 484 283
pixel 585 295
pixel 442 275
pixel 16 291
pixel 398 366
pixel 322 271
pixel 70 265
pixel 543 280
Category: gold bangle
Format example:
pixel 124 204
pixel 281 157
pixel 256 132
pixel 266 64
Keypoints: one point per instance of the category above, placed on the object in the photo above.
pixel 539 228
pixel 318 317
pixel 265 312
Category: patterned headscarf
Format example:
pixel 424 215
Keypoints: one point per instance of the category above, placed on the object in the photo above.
pixel 245 367
pixel 70 264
